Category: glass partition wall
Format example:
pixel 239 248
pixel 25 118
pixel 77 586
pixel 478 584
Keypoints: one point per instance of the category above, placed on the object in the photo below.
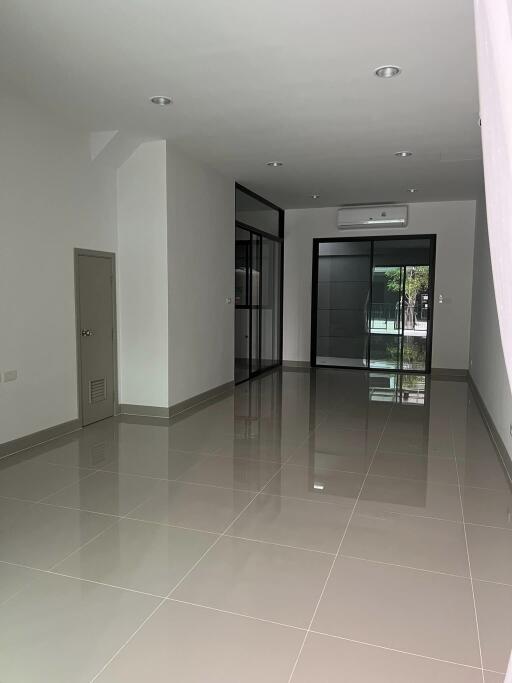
pixel 258 284
pixel 372 303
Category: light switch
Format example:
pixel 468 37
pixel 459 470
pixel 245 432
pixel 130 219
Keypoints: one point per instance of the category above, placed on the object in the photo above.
pixel 10 375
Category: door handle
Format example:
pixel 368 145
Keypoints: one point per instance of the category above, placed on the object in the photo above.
pixel 86 333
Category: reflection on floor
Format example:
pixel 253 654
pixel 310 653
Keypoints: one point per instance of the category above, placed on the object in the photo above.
pixel 314 527
pixel 342 361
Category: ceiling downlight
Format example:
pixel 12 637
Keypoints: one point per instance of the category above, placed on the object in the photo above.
pixel 161 100
pixel 387 71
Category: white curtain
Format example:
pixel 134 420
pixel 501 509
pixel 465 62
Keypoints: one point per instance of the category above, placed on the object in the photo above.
pixel 493 20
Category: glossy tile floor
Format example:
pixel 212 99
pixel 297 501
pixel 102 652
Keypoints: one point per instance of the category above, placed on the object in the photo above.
pixel 314 527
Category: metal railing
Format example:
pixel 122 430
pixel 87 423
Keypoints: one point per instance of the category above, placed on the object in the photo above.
pixel 384 313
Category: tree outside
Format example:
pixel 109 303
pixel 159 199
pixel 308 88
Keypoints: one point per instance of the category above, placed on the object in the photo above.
pixel 416 282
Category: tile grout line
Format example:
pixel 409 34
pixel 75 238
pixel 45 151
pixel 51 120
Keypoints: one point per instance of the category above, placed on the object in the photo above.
pixel 331 635
pixel 237 614
pixel 105 470
pixel 74 578
pixel 74 483
pixel 102 583
pixel 225 532
pixel 116 520
pixel 405 566
pixel 130 516
pixel 280 545
pixel 338 551
pixel 393 649
pixel 20 590
pixel 258 493
pixel 491 435
pixel 384 515
pixel 468 557
pixel 490 526
pixel 191 569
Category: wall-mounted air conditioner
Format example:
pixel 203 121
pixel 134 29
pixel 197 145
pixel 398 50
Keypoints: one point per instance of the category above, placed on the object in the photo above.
pixel 392 216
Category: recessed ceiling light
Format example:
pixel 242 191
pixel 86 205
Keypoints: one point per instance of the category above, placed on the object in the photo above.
pixel 274 163
pixel 388 71
pixel 405 153
pixel 162 100
pixel 315 196
pixel 412 189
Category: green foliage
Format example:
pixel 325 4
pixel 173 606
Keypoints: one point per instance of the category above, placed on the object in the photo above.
pixel 416 281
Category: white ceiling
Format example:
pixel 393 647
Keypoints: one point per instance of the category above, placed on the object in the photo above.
pixel 268 79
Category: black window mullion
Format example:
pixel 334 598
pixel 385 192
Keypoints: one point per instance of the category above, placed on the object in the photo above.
pixel 401 361
pixel 370 306
pixel 249 269
pixel 260 302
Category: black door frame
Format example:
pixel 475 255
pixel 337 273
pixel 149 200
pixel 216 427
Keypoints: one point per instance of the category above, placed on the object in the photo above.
pixel 276 238
pixel 372 239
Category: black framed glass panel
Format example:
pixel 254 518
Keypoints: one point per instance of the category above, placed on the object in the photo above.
pixel 270 302
pixel 343 292
pixel 256 213
pixel 372 303
pixel 255 302
pixel 242 303
pixel 259 272
pixel 400 304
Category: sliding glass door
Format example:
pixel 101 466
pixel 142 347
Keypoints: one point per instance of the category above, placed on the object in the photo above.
pixel 372 301
pixel 242 304
pixel 258 275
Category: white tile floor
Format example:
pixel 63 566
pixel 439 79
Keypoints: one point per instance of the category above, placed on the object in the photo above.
pixel 314 527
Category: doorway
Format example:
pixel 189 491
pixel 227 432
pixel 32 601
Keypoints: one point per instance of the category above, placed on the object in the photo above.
pixel 372 303
pixel 96 334
pixel 258 284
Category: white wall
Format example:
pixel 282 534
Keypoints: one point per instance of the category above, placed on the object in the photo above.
pixel 454 225
pixel 52 199
pixel 142 277
pixel 201 256
pixel 175 267
pixel 487 361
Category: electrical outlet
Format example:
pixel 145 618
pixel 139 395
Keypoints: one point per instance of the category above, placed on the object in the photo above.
pixel 10 375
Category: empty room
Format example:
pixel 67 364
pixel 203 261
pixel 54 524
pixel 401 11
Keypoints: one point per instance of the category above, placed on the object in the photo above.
pixel 255 341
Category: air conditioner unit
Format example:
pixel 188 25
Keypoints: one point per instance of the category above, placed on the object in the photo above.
pixel 392 216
